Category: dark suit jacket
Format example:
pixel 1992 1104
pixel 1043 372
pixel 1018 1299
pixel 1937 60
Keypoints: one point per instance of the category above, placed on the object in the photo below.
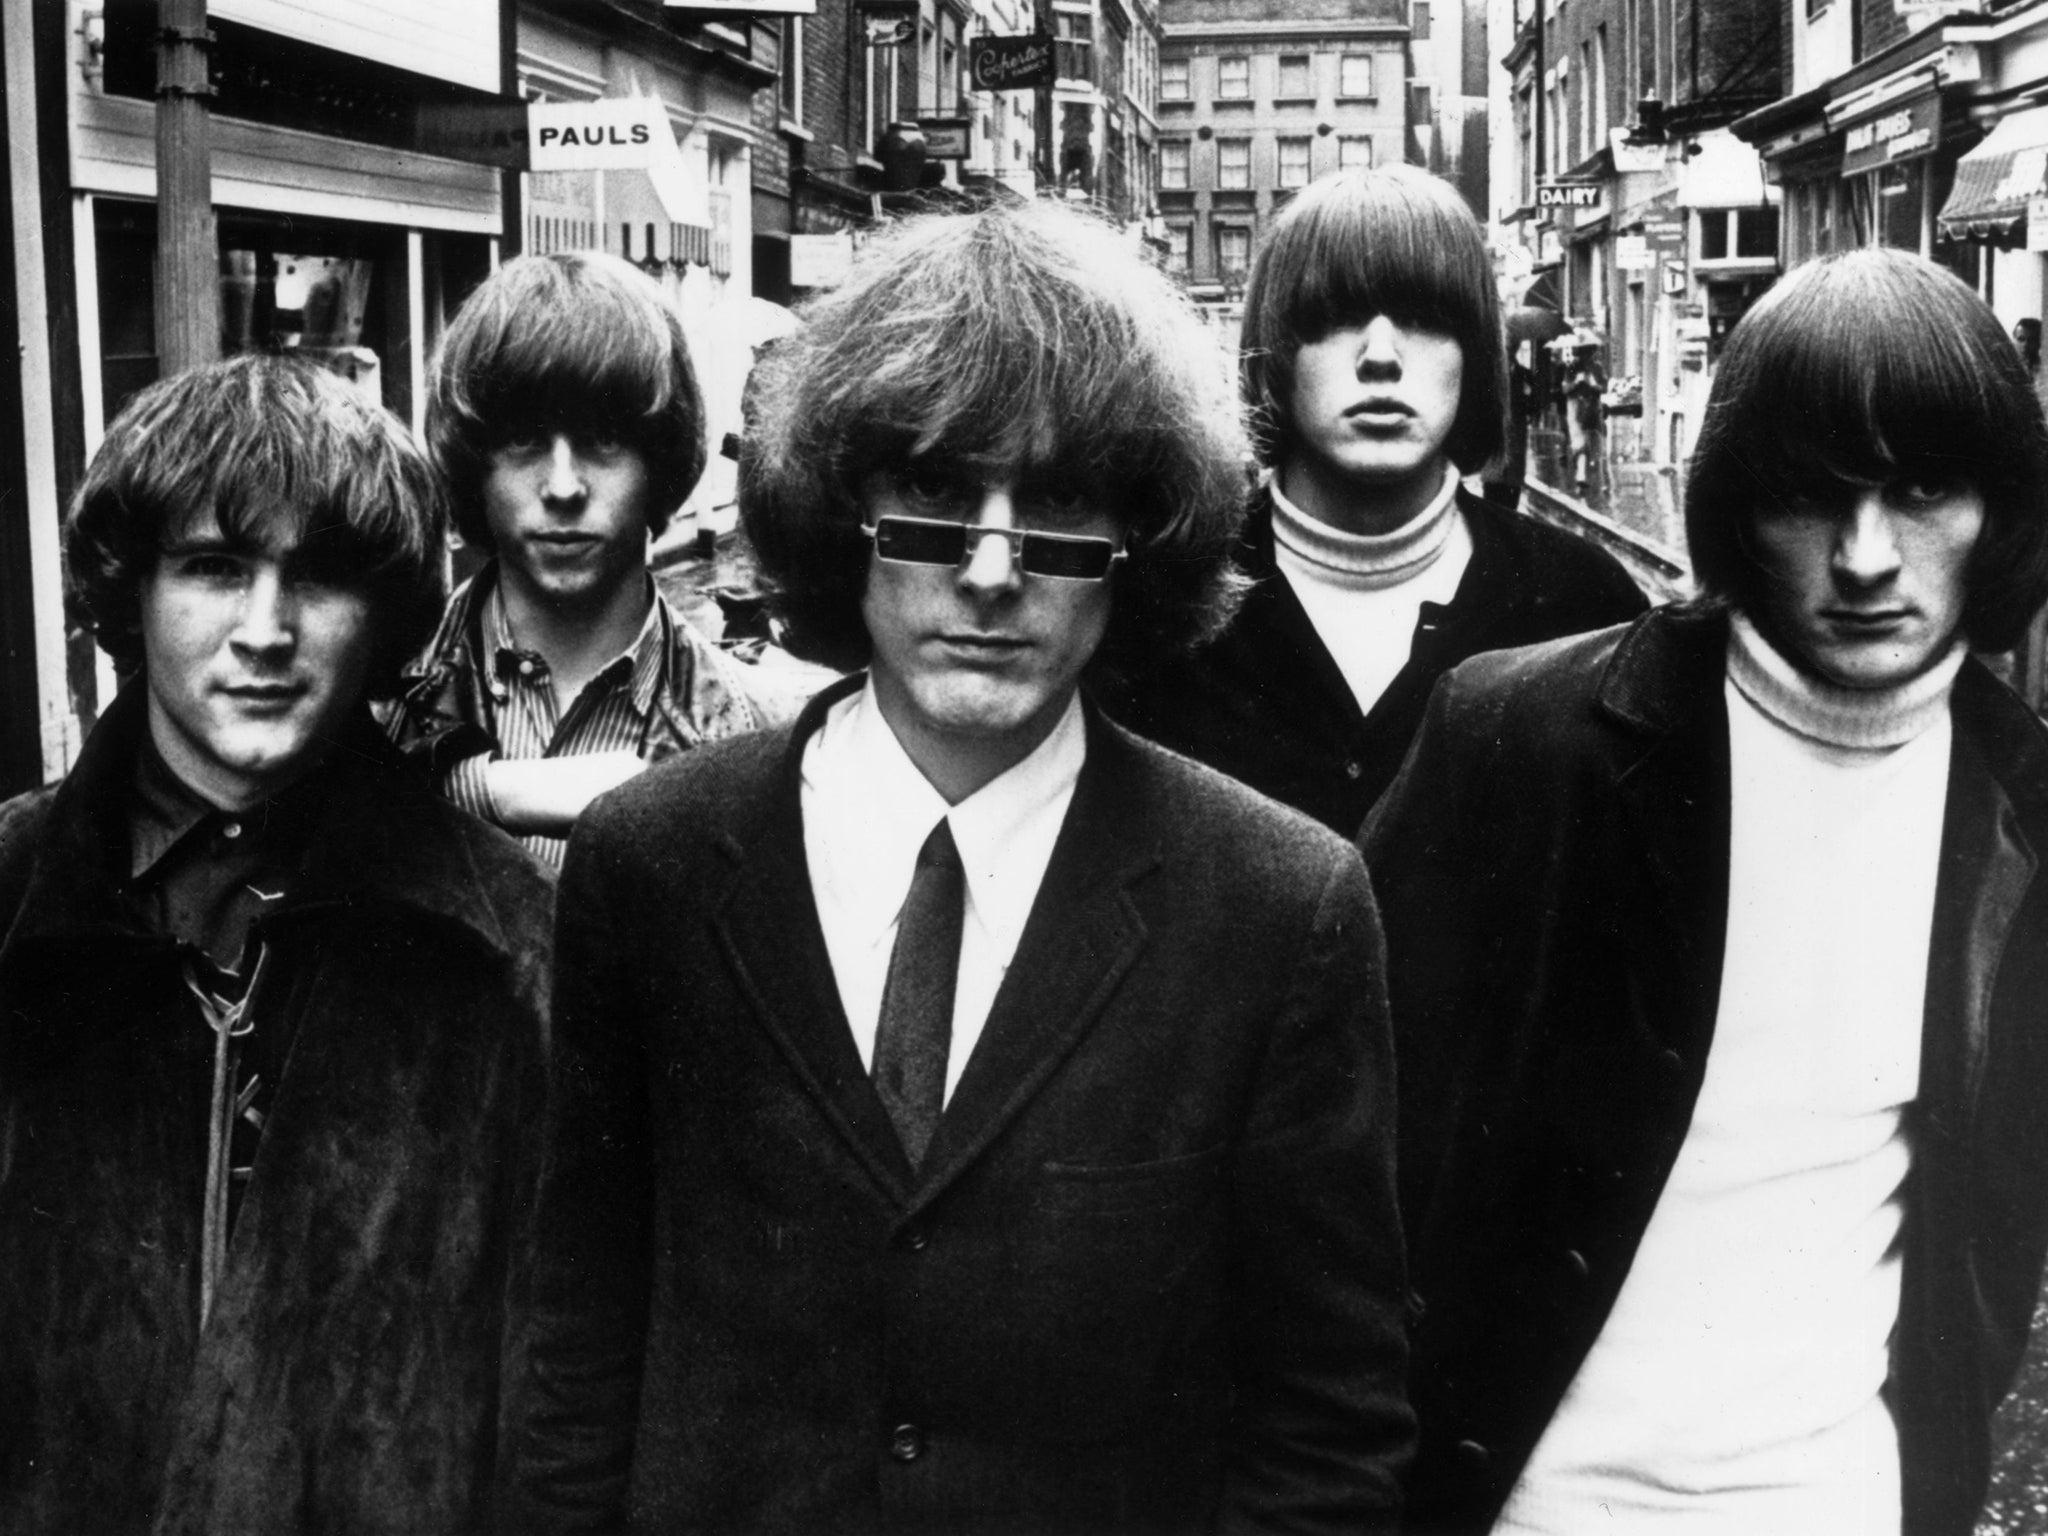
pixel 1148 1276
pixel 1553 863
pixel 1268 705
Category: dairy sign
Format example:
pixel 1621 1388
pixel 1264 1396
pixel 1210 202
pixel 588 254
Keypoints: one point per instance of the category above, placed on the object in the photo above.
pixel 1562 194
pixel 1906 134
pixel 1011 63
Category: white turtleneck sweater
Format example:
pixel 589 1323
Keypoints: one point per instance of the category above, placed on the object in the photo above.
pixel 1735 1389
pixel 1364 592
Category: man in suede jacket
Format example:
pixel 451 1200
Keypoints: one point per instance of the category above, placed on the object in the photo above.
pixel 270 1010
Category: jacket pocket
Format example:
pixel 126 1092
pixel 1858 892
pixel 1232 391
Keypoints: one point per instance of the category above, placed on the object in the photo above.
pixel 1116 1189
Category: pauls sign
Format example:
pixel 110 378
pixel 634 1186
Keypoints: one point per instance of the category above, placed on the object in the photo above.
pixel 1011 63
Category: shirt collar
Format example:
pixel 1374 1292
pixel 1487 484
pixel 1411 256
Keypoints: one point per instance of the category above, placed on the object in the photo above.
pixel 884 808
pixel 644 662
pixel 162 809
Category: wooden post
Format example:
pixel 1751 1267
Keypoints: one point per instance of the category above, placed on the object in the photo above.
pixel 187 251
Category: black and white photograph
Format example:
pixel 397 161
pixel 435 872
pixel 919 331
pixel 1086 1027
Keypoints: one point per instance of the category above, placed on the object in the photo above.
pixel 1024 768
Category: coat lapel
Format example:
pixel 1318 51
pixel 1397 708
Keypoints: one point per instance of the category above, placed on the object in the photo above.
pixel 1083 935
pixel 1664 688
pixel 768 926
pixel 1987 867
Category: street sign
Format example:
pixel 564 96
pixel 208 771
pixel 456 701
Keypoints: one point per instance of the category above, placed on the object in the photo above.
pixel 1554 194
pixel 945 138
pixel 888 23
pixel 1011 63
pixel 820 261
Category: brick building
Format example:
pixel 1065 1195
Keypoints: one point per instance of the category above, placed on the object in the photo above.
pixel 1256 99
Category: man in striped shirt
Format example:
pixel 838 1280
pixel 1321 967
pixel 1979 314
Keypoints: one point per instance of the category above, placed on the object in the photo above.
pixel 565 414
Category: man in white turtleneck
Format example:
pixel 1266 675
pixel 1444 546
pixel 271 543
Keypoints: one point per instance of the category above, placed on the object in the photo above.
pixel 1719 969
pixel 1375 374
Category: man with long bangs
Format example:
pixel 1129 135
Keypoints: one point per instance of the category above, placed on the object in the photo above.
pixel 564 411
pixel 1375 370
pixel 1719 959
pixel 969 1117
pixel 270 1009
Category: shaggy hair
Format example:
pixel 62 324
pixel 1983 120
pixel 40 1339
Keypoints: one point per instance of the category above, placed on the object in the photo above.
pixel 278 453
pixel 1856 370
pixel 1025 339
pixel 1393 241
pixel 584 344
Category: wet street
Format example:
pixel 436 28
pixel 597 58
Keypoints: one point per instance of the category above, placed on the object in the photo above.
pixel 2018 1505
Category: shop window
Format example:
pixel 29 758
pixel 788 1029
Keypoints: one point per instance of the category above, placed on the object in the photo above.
pixel 1234 78
pixel 1233 164
pixel 1294 77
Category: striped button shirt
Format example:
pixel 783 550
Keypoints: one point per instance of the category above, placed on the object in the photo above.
pixel 619 709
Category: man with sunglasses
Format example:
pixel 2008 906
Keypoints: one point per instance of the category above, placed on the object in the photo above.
pixel 968 1116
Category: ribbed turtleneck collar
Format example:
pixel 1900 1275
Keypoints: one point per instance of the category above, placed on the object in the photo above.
pixel 1367 560
pixel 1870 719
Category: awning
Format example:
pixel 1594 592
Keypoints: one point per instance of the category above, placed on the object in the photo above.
pixel 1994 180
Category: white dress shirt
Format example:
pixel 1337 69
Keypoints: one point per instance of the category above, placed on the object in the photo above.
pixel 867 809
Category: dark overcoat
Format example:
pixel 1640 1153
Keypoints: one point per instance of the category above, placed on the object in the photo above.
pixel 347 1379
pixel 1268 705
pixel 1148 1275
pixel 1553 867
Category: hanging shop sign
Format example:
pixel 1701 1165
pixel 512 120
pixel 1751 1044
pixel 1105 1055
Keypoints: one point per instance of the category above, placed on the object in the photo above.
pixel 2037 223
pixel 820 261
pixel 1011 63
pixel 1632 253
pixel 889 23
pixel 1906 133
pixel 945 138
pixel 1568 194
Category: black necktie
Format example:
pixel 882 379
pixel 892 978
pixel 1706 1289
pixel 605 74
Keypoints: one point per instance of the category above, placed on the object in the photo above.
pixel 915 1030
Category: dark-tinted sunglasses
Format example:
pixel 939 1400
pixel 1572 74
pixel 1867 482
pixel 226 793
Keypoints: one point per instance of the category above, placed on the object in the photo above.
pixel 927 541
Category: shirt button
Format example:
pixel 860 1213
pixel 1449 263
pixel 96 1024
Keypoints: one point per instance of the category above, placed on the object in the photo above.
pixel 916 1239
pixel 1474 1455
pixel 1354 769
pixel 907 1442
pixel 232 829
pixel 1575 1261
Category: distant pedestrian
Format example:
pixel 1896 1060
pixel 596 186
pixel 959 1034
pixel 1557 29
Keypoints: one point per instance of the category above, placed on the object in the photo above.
pixel 1374 365
pixel 1719 955
pixel 967 1116
pixel 270 1010
pixel 565 413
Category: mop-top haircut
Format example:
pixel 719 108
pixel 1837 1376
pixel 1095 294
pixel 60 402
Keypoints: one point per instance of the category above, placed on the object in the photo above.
pixel 280 454
pixel 1393 241
pixel 1026 340
pixel 582 343
pixel 1860 369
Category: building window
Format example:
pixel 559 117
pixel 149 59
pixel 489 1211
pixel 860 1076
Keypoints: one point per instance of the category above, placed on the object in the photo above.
pixel 1294 80
pixel 1354 152
pixel 1743 234
pixel 1180 248
pixel 1173 80
pixel 1234 78
pixel 1233 164
pixel 1418 23
pixel 1173 165
pixel 949 62
pixel 1294 162
pixel 1354 75
pixel 1233 250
